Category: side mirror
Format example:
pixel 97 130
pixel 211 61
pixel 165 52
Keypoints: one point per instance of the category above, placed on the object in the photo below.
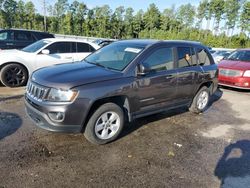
pixel 142 70
pixel 45 52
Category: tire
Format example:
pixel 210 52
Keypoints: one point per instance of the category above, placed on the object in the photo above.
pixel 100 128
pixel 200 101
pixel 14 75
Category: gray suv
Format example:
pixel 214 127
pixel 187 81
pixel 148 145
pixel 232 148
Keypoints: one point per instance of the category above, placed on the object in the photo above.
pixel 118 83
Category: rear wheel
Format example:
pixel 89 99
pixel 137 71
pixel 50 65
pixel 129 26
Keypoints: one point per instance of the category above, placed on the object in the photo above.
pixel 105 124
pixel 14 75
pixel 200 101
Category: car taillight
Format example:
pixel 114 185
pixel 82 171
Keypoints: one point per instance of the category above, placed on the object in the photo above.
pixel 246 73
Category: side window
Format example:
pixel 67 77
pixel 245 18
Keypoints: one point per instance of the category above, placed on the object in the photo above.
pixel 194 57
pixel 22 36
pixel 161 59
pixel 203 57
pixel 184 57
pixel 4 35
pixel 60 47
pixel 83 47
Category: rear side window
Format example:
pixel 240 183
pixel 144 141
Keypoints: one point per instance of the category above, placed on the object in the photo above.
pixel 6 35
pixel 84 47
pixel 161 59
pixel 23 36
pixel 184 57
pixel 203 57
pixel 60 47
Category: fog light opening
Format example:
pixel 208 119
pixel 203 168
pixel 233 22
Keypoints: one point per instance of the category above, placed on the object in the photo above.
pixel 56 116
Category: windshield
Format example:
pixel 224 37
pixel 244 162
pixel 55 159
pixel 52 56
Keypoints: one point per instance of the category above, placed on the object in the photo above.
pixel 35 46
pixel 242 55
pixel 115 56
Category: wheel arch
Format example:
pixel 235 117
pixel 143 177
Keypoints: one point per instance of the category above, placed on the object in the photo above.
pixel 122 101
pixel 13 62
pixel 209 85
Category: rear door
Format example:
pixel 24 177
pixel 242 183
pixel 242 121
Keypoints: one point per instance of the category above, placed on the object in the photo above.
pixel 188 72
pixel 157 88
pixel 22 39
pixel 59 52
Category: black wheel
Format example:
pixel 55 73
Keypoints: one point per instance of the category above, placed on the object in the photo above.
pixel 200 101
pixel 14 75
pixel 105 124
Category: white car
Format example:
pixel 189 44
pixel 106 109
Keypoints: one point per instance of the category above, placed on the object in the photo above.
pixel 17 65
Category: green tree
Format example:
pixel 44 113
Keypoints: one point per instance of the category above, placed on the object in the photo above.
pixel 232 8
pixel 128 22
pixel 20 14
pixel 245 18
pixel 30 14
pixel 9 12
pixel 138 23
pixel 117 24
pixel 186 15
pixel 152 17
pixel 217 7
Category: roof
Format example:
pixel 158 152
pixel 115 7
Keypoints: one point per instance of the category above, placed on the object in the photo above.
pixel 16 29
pixel 146 42
pixel 71 40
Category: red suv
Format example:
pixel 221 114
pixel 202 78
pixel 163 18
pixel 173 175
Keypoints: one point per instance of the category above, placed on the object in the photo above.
pixel 235 70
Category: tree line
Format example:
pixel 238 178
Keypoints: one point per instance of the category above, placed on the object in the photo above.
pixel 218 23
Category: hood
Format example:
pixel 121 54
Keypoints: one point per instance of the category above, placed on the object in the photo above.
pixel 238 65
pixel 12 51
pixel 66 76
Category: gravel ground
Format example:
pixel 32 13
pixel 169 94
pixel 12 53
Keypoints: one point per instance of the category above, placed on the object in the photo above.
pixel 173 149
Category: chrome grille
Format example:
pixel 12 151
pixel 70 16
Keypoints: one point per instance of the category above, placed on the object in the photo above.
pixel 36 92
pixel 230 72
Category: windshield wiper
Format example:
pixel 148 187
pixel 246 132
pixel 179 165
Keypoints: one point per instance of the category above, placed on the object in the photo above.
pixel 97 64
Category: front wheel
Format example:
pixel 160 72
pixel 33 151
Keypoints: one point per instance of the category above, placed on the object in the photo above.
pixel 13 75
pixel 200 101
pixel 105 124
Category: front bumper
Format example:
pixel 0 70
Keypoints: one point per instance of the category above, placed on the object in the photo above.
pixel 43 121
pixel 235 82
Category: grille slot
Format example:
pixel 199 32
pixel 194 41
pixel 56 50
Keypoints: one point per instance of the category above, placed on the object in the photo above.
pixel 36 91
pixel 230 72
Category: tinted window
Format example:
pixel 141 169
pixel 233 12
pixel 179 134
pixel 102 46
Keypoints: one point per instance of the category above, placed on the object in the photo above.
pixel 161 59
pixel 203 57
pixel 60 47
pixel 184 56
pixel 6 35
pixel 243 55
pixel 22 36
pixel 84 47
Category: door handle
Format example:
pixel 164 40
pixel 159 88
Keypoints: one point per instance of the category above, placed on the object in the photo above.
pixel 68 57
pixel 10 44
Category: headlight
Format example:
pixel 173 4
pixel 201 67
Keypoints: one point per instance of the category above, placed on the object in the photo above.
pixel 58 95
pixel 246 73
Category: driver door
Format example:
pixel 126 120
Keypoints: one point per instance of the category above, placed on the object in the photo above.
pixel 59 52
pixel 157 88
